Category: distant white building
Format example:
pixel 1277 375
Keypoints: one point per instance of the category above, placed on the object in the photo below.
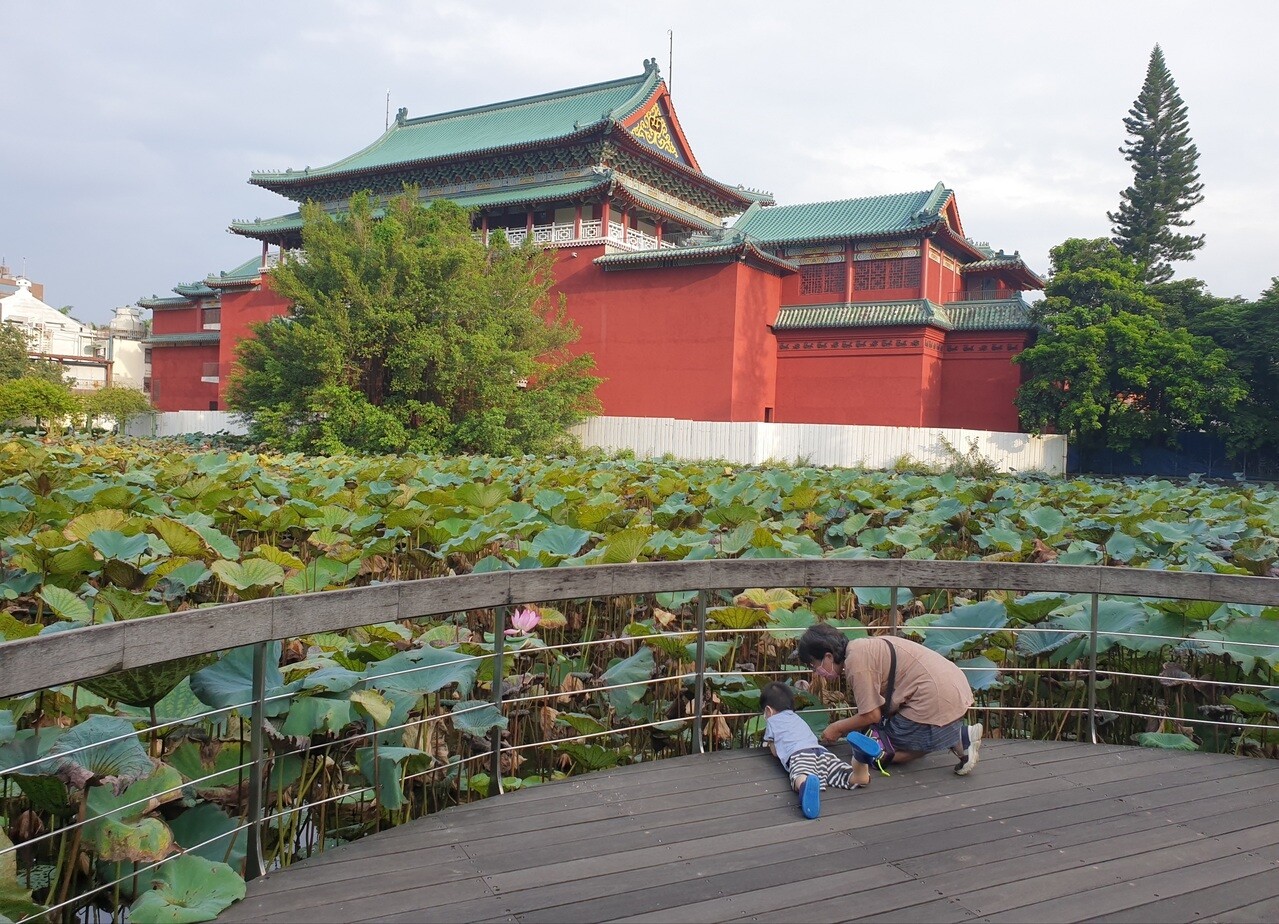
pixel 92 357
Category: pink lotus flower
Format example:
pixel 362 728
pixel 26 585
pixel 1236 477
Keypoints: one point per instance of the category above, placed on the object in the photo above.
pixel 523 622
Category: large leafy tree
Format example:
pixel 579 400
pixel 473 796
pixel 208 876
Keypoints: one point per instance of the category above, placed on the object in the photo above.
pixel 33 398
pixel 115 403
pixel 406 333
pixel 1165 177
pixel 1249 331
pixel 1107 368
pixel 16 362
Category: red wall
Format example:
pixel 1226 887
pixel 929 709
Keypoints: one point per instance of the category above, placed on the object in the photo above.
pixel 176 321
pixel 872 376
pixel 980 381
pixel 240 309
pixel 688 342
pixel 175 377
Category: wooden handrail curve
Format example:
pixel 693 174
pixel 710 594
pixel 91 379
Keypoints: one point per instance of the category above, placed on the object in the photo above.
pixel 66 657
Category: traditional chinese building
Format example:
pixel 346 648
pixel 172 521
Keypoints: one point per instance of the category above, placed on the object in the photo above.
pixel 697 298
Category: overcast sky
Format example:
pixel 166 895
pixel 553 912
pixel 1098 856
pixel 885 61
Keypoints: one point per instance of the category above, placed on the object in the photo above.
pixel 130 128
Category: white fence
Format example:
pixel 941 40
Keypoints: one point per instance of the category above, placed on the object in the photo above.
pixel 820 444
pixel 177 423
pixel 744 443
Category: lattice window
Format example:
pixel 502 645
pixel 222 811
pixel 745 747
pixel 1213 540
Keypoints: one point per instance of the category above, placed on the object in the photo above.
pixel 821 279
pixel 872 275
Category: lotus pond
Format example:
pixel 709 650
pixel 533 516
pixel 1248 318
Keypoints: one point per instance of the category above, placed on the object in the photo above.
pixel 374 726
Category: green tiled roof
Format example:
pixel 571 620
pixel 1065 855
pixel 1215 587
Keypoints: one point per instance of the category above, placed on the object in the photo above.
pixel 663 208
pixel 508 124
pixel 194 290
pixel 847 218
pixel 710 252
pixel 862 314
pixel 194 337
pixel 994 314
pixel 168 302
pixel 530 194
pixel 246 273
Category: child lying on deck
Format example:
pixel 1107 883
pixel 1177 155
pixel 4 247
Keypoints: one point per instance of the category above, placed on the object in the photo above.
pixel 811 767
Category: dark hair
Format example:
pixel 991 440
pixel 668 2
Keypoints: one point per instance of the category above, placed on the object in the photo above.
pixel 777 696
pixel 820 640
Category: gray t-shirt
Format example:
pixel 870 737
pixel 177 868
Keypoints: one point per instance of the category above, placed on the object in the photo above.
pixel 789 733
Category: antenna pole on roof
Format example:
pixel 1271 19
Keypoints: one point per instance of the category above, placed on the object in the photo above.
pixel 670 59
pixel 388 111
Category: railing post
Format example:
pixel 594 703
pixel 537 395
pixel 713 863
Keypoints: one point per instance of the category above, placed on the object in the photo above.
pixel 1092 668
pixel 495 734
pixel 894 617
pixel 699 682
pixel 254 863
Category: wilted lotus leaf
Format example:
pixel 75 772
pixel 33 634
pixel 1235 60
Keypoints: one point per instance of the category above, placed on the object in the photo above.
pixel 181 538
pixel 776 598
pixel 118 829
pixel 216 767
pixel 737 617
pixel 185 890
pixel 101 750
pixel 88 523
pixel 146 686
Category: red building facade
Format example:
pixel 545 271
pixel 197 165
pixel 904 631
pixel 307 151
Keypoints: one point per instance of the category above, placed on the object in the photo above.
pixel 697 299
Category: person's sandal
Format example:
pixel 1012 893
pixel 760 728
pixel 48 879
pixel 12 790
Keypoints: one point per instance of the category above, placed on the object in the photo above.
pixel 810 796
pixel 971 756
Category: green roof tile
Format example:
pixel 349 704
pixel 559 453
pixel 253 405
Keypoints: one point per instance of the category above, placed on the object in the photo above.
pixel 515 194
pixel 862 314
pixel 167 302
pixel 194 337
pixel 847 218
pixel 194 290
pixel 994 314
pixel 247 272
pixel 499 125
pixel 707 252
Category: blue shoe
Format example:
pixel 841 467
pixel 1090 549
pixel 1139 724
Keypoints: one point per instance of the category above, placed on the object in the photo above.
pixel 866 749
pixel 810 796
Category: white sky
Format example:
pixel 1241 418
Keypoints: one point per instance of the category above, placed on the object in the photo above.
pixel 130 128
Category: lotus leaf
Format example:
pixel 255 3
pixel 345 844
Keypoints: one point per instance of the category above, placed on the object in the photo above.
pixel 100 749
pixel 737 617
pixel 128 605
pixel 638 667
pixel 491 563
pixel 623 546
pixel 476 717
pixel 374 705
pixel 1246 641
pixel 83 526
pixel 117 827
pixel 590 757
pixel 982 673
pixel 973 621
pixel 187 889
pixel 111 544
pixel 12 630
pixel 321 573
pixel 317 715
pixel 788 626
pixel 146 686
pixel 279 556
pixel 250 573
pixel 1049 521
pixel 229 682
pixel 1166 740
pixel 880 598
pixel 581 723
pixel 16 903
pixel 330 679
pixel 559 541
pixel 385 768
pixel 423 670
pixel 66 604
pixel 181 539
pixel 206 831
pixel 1033 607
pixel 222 766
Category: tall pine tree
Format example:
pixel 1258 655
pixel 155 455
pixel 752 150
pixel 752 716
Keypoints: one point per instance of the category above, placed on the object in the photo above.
pixel 1165 177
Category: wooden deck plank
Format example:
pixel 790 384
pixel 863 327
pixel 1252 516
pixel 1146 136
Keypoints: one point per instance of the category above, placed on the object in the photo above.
pixel 1042 831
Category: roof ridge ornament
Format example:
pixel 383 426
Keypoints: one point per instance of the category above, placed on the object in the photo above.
pixel 401 115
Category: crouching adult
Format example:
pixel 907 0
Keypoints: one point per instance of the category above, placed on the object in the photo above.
pixel 909 697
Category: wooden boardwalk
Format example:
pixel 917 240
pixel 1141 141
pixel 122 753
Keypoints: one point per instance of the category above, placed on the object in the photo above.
pixel 1041 831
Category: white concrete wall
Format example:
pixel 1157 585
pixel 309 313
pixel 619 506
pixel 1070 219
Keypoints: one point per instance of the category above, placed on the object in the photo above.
pixel 819 444
pixel 743 443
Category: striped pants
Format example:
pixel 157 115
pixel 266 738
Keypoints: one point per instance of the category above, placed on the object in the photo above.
pixel 830 769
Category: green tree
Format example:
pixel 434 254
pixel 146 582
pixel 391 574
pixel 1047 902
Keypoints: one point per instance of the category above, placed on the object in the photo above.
pixel 1249 332
pixel 1165 177
pixel 115 403
pixel 406 333
pixel 36 399
pixel 15 361
pixel 1107 369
